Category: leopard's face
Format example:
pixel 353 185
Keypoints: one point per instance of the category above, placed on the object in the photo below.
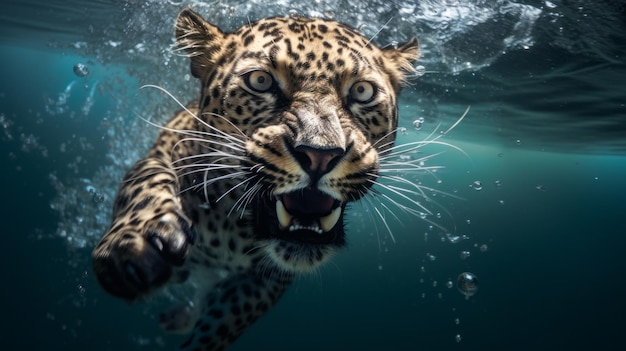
pixel 315 103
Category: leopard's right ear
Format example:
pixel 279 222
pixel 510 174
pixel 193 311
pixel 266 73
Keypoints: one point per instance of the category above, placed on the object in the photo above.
pixel 199 40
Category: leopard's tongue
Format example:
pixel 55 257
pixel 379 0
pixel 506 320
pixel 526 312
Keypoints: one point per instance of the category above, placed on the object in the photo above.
pixel 307 210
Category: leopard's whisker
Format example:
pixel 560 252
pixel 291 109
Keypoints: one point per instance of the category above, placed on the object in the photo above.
pixel 259 245
pixel 412 211
pixel 398 167
pixel 384 220
pixel 241 133
pixel 247 197
pixel 242 202
pixel 237 138
pixel 163 90
pixel 401 192
pixel 386 145
pixel 432 190
pixel 231 190
pixel 199 135
pixel 397 192
pixel 250 194
pixel 370 204
pixel 429 140
pixel 223 156
pixel 426 143
pixel 204 139
pixel 203 168
pixel 204 123
pixel 206 181
pixel 403 148
pixel 369 41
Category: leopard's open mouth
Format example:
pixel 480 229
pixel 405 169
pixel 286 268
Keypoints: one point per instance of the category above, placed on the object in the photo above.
pixel 306 216
pixel 307 210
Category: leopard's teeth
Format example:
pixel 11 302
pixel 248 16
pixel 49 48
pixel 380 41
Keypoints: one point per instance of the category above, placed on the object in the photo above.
pixel 284 218
pixel 327 223
pixel 312 228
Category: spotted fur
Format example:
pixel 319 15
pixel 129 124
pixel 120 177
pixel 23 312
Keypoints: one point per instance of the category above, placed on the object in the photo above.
pixel 248 186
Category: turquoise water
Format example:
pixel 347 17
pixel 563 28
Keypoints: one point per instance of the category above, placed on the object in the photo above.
pixel 544 137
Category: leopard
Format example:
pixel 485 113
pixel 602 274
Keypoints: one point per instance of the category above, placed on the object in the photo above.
pixel 247 186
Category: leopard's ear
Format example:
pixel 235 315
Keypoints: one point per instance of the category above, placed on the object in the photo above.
pixel 401 58
pixel 200 40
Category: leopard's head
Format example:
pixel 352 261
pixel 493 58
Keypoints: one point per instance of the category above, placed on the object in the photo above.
pixel 316 103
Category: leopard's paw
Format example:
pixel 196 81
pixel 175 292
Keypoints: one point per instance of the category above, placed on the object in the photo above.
pixel 133 258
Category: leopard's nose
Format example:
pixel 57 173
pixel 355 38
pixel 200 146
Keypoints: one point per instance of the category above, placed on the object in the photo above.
pixel 317 162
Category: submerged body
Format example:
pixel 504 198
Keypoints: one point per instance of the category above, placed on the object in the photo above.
pixel 248 187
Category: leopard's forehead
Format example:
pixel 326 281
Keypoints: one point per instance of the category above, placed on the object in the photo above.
pixel 302 29
pixel 309 49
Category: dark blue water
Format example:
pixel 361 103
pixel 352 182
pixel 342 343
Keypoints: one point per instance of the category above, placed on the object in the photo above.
pixel 544 136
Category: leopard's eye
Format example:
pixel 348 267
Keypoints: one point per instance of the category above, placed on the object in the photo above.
pixel 362 91
pixel 259 81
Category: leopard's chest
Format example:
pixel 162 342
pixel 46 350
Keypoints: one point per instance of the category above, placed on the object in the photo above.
pixel 224 237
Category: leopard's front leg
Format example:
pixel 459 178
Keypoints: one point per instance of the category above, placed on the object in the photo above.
pixel 149 234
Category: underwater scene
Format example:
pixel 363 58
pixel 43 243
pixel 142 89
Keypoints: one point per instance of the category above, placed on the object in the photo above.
pixel 514 236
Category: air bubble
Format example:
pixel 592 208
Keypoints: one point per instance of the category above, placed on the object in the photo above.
pixel 431 257
pixel 449 284
pixel 81 70
pixel 97 197
pixel 484 248
pixel 417 124
pixel 467 284
pixel 454 239
pixel 464 254
pixel 458 338
pixel 477 185
pixel 549 4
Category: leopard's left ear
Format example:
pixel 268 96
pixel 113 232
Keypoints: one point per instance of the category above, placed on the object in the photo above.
pixel 199 40
pixel 401 58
